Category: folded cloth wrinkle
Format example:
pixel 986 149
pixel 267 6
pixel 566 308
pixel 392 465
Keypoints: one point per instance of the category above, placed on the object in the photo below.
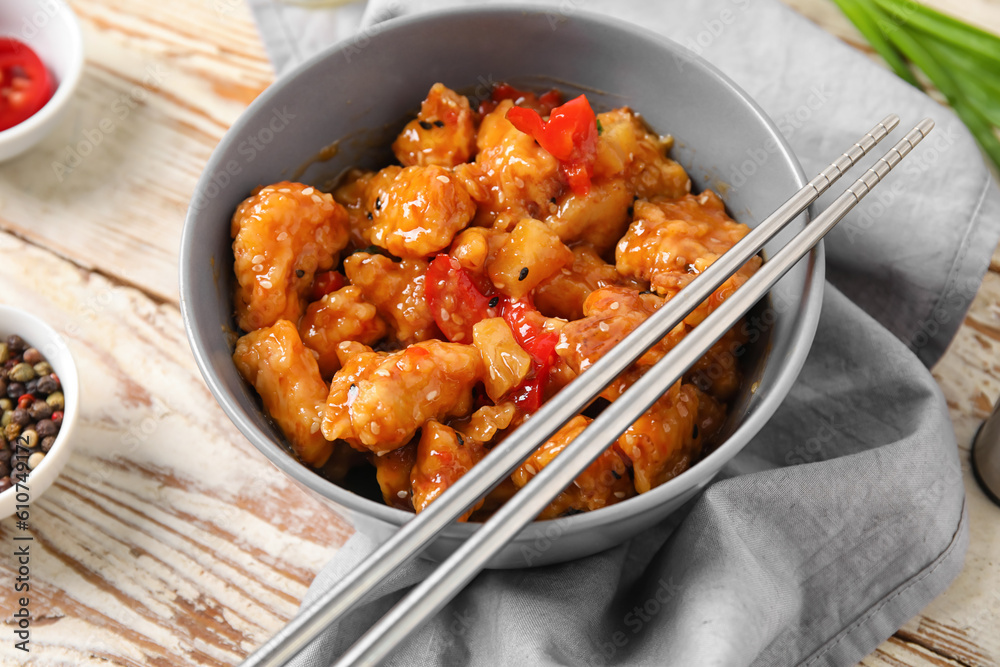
pixel 845 516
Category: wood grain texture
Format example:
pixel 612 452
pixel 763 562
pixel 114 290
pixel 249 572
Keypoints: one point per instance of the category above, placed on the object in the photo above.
pixel 163 81
pixel 169 540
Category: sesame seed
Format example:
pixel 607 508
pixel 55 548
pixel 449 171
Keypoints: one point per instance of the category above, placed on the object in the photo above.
pixel 524 274
pixel 619 494
pixel 257 259
pixel 444 315
pixel 266 284
pixel 432 394
pixel 614 306
pixel 603 326
pixel 285 190
pixel 282 236
pixel 636 453
pixel 530 468
pixel 257 268
pixel 316 198
pixel 374 428
pixel 444 179
pixel 314 427
pixel 308 191
pixel 401 494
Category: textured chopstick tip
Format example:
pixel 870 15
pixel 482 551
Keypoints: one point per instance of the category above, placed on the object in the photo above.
pixel 890 122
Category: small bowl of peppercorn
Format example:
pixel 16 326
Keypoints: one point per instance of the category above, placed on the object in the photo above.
pixel 38 403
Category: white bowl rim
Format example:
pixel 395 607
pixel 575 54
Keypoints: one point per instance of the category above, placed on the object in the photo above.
pixel 801 337
pixel 67 86
pixel 70 383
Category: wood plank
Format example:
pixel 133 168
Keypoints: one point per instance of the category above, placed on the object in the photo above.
pixel 168 539
pixel 110 187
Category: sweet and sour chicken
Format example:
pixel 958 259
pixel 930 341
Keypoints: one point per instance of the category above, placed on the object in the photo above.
pixel 416 315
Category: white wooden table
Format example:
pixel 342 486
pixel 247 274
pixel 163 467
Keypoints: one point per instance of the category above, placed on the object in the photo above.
pixel 169 540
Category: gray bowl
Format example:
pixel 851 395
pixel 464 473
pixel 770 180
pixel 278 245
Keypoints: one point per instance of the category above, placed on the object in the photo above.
pixel 357 96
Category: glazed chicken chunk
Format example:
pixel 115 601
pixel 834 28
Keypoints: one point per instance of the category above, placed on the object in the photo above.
pixel 443 456
pixel 604 482
pixel 339 316
pixel 396 289
pixel 443 134
pixel 671 242
pixel 283 235
pixel 285 374
pixel 378 400
pixel 415 212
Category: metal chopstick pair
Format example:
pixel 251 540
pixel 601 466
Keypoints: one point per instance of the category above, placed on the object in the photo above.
pixel 452 575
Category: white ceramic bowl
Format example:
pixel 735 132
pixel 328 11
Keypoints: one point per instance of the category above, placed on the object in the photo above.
pixel 40 335
pixel 50 28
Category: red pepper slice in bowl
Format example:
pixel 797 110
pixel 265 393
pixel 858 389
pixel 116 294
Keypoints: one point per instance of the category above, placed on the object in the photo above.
pixel 569 135
pixel 25 83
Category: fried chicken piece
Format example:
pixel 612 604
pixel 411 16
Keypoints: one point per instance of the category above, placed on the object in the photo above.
pixel 671 242
pixel 513 177
pixel 339 316
pixel 443 134
pixel 285 374
pixel 397 290
pixel 443 456
pixel 283 235
pixel 415 212
pixel 378 400
pixel 665 441
pixel 392 471
pixel 718 373
pixel 604 482
pixel 611 314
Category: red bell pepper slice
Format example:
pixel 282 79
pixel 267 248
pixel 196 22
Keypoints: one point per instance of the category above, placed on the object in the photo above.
pixel 543 104
pixel 455 301
pixel 526 323
pixel 569 135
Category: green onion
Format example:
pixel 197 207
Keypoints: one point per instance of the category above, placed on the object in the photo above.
pixel 962 61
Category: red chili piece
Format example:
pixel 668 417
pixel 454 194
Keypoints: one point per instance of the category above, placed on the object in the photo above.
pixel 569 135
pixel 25 84
pixel 455 301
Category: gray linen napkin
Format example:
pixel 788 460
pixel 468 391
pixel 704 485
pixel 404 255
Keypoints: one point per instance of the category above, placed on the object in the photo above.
pixel 845 516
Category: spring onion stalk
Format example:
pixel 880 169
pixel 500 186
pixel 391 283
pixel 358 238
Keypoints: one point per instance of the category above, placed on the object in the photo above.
pixel 961 61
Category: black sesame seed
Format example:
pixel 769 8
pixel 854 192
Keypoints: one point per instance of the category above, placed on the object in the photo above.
pixel 554 200
pixel 299 273
pixel 424 124
pixel 378 203
pixel 494 302
pixel 694 431
pixel 369 214
pixel 631 210
pixel 439 123
pixel 523 274
pixel 461 440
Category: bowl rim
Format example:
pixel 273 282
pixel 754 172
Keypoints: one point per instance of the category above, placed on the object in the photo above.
pixel 70 385
pixel 801 336
pixel 66 87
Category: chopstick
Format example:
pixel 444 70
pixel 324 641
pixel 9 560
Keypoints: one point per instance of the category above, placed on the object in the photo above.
pixel 450 577
pixel 417 533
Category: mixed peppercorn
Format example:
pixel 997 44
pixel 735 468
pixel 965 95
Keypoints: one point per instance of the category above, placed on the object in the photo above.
pixel 32 402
